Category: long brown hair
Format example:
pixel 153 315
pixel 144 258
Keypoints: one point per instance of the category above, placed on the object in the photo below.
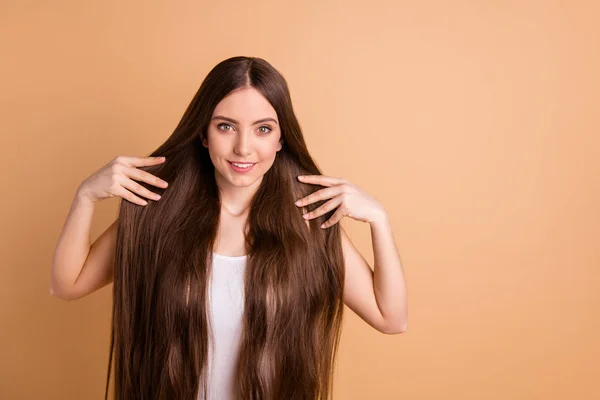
pixel 294 276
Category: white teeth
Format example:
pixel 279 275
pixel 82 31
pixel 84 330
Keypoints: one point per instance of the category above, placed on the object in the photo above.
pixel 242 165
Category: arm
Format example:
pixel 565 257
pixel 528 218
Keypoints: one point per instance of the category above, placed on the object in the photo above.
pixel 389 283
pixel 378 297
pixel 78 268
pixel 366 292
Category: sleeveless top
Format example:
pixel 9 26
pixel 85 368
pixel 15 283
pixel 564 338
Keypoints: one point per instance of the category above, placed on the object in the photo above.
pixel 226 304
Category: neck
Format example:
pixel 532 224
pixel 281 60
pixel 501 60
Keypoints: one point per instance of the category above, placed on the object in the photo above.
pixel 236 200
pixel 235 212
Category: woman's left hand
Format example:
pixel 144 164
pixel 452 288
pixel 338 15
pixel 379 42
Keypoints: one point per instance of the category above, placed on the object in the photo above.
pixel 350 200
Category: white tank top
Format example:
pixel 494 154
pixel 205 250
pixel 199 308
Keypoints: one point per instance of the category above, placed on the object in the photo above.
pixel 226 300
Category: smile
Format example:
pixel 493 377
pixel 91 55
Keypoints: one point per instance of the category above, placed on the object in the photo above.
pixel 241 167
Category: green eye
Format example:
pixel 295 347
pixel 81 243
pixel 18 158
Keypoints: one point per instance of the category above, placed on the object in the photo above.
pixel 264 126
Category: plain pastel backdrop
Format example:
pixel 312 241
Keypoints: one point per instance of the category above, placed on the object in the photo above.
pixel 475 124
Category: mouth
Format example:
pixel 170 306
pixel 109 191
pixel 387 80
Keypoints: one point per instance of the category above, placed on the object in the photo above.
pixel 241 167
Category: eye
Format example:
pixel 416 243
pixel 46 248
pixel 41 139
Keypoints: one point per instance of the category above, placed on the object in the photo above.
pixel 265 126
pixel 223 124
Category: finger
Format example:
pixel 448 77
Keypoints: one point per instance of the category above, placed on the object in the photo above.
pixel 139 189
pixel 325 208
pixel 320 180
pixel 335 218
pixel 140 175
pixel 127 195
pixel 321 194
pixel 140 161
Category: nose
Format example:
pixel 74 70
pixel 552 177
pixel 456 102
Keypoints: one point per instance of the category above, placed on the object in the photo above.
pixel 242 144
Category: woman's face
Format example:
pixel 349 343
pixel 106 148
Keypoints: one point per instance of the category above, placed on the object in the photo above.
pixel 243 128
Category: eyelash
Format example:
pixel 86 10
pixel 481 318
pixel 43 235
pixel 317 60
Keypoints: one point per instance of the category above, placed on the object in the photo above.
pixel 263 126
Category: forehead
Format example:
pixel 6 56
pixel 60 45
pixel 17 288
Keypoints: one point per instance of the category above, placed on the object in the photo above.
pixel 245 105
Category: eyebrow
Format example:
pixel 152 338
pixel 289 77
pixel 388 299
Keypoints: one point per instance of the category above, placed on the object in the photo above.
pixel 236 122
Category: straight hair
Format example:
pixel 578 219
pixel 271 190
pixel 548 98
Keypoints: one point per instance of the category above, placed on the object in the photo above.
pixel 293 278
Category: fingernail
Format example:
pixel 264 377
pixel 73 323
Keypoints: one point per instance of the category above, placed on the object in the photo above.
pixel 305 216
pixel 297 203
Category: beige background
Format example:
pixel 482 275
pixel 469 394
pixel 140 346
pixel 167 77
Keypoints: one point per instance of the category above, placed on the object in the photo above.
pixel 474 123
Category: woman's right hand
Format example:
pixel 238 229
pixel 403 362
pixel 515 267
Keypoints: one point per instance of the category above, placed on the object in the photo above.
pixel 117 179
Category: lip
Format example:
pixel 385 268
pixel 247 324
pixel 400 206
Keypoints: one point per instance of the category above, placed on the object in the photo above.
pixel 241 170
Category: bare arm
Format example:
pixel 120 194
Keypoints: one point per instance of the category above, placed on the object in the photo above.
pixel 79 268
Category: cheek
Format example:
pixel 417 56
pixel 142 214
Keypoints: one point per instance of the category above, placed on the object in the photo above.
pixel 269 150
pixel 219 147
pixel 268 156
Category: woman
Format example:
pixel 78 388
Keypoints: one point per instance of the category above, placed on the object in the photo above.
pixel 222 289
